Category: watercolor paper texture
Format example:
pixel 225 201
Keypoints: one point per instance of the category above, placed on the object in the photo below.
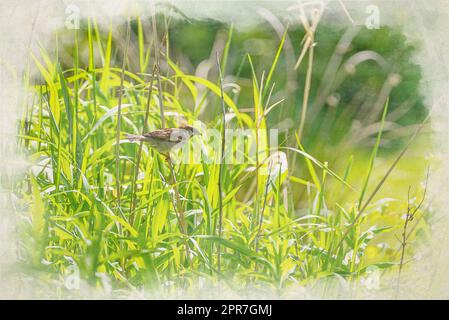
pixel 314 165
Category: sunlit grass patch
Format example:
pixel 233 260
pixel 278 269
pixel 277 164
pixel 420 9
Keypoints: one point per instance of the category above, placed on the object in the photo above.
pixel 114 209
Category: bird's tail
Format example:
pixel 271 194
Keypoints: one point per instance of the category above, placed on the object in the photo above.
pixel 134 137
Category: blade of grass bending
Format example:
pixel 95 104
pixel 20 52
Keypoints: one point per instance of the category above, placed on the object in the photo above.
pixel 119 116
pixel 382 181
pixel 240 249
pixel 273 66
pixel 257 95
pixel 68 104
pixel 321 165
pixel 216 90
pixel 224 58
pixel 374 152
pixel 51 89
pixel 193 90
pixel 96 33
pixel 309 164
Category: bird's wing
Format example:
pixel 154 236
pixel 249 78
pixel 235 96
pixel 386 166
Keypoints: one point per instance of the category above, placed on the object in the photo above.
pixel 174 135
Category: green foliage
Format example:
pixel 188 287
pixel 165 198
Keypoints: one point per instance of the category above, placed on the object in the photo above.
pixel 269 236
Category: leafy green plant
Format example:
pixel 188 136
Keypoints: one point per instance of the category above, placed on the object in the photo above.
pixel 118 209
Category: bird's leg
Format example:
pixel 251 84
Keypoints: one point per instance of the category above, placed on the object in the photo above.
pixel 167 157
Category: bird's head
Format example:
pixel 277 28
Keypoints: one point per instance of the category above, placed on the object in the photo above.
pixel 191 130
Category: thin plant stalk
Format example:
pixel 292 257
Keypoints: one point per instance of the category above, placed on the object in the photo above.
pixel 139 152
pixel 410 215
pixel 408 218
pixel 158 70
pixel 179 210
pixel 220 172
pixel 178 206
pixel 119 117
pixel 310 29
pixel 259 231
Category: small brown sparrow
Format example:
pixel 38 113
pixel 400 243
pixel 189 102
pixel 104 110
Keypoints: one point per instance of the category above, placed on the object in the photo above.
pixel 166 140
